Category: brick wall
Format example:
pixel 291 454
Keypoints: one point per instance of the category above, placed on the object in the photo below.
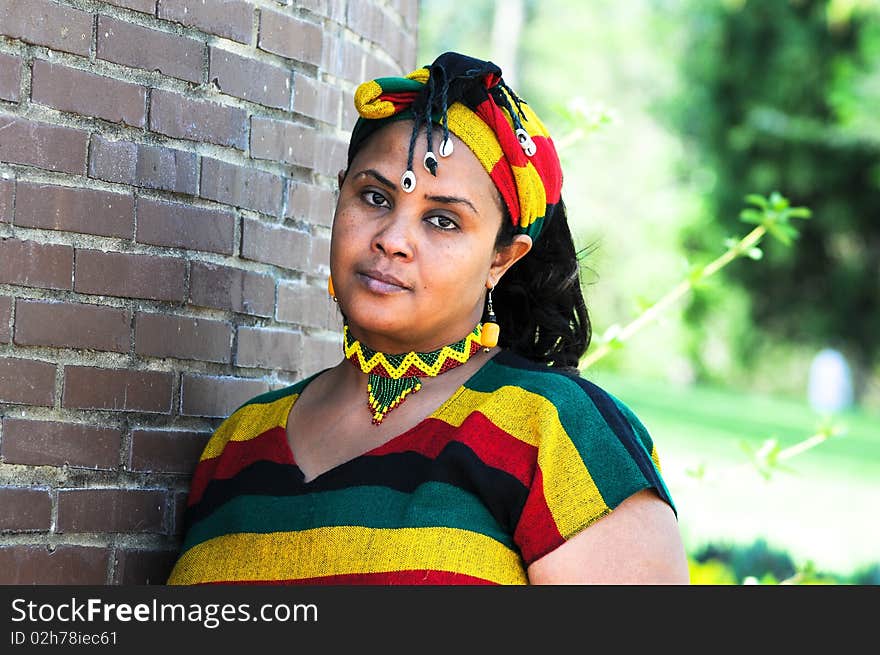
pixel 167 175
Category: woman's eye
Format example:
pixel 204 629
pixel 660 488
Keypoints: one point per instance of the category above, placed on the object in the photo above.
pixel 374 198
pixel 442 222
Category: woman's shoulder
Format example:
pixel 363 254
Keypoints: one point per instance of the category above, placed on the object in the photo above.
pixel 564 386
pixel 582 406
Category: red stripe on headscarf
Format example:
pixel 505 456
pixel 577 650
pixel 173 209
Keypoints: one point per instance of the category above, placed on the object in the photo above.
pixel 502 176
pixel 546 162
pixel 401 100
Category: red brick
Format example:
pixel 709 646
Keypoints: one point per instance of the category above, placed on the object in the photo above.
pixel 367 16
pixel 311 204
pixel 347 61
pixel 166 451
pixel 46 23
pixel 143 567
pixel 249 79
pixel 143 6
pixel 241 186
pixel 335 10
pixel 276 245
pixel 407 51
pixel 52 147
pixel 183 337
pixel 7 191
pixel 71 325
pixel 227 288
pixel 375 66
pixel 306 305
pixel 282 141
pixel 349 113
pixel 32 264
pixel 61 565
pixel 10 77
pixel 140 47
pixel 184 226
pixel 290 37
pixel 211 396
pixel 111 510
pixel 142 165
pixel 27 382
pixel 316 99
pixel 183 117
pixel 81 92
pixel 120 390
pixel 319 353
pixel 268 348
pixel 233 19
pixel 409 10
pixel 332 155
pixel 179 521
pixel 25 510
pixel 72 209
pixel 51 443
pixel 129 275
pixel 319 256
pixel 5 317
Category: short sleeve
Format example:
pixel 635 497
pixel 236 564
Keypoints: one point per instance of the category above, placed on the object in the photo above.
pixel 591 456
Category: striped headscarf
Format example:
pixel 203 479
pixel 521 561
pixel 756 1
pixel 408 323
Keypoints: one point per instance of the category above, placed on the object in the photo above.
pixel 468 97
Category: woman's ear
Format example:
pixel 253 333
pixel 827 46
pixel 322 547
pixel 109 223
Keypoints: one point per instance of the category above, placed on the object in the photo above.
pixel 507 256
pixel 340 176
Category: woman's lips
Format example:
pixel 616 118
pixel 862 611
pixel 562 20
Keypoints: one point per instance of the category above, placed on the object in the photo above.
pixel 383 283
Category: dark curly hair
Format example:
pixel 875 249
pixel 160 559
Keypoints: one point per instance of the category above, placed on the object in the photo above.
pixel 539 302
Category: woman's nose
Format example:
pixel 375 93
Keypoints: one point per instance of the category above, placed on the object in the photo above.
pixel 394 239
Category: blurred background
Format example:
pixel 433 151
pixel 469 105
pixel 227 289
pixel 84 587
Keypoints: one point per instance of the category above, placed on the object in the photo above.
pixel 761 386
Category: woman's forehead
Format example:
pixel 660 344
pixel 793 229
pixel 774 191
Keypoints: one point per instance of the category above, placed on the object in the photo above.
pixel 387 150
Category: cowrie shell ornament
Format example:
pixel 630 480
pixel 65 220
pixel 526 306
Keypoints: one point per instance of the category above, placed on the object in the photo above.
pixel 430 162
pixel 408 181
pixel 446 147
pixel 525 141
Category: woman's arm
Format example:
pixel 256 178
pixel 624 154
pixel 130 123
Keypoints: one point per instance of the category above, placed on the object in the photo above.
pixel 637 543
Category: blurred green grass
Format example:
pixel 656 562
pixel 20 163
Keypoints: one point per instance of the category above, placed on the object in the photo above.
pixel 824 511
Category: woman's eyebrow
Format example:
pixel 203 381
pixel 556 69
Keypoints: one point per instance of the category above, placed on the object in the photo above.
pixel 448 200
pixel 451 200
pixel 372 172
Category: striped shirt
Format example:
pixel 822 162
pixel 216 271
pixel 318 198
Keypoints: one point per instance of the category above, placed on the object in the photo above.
pixel 518 460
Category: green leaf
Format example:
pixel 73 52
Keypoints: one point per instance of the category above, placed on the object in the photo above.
pixel 775 230
pixel 756 199
pixel 800 212
pixel 778 202
pixel 752 216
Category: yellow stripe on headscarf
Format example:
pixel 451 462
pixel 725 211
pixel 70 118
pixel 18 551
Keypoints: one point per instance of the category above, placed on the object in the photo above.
pixel 366 103
pixel 532 197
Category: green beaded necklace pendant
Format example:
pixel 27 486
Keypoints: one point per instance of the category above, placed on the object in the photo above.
pixel 391 378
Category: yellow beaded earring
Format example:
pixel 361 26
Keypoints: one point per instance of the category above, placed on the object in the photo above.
pixel 491 329
pixel 330 288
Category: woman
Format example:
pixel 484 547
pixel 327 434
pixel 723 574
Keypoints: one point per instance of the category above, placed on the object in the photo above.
pixel 454 443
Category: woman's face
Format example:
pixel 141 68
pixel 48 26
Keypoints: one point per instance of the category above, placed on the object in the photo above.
pixel 410 270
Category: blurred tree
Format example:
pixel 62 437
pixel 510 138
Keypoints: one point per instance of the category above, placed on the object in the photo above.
pixel 784 95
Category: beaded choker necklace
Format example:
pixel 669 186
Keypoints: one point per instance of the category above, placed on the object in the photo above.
pixel 393 377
